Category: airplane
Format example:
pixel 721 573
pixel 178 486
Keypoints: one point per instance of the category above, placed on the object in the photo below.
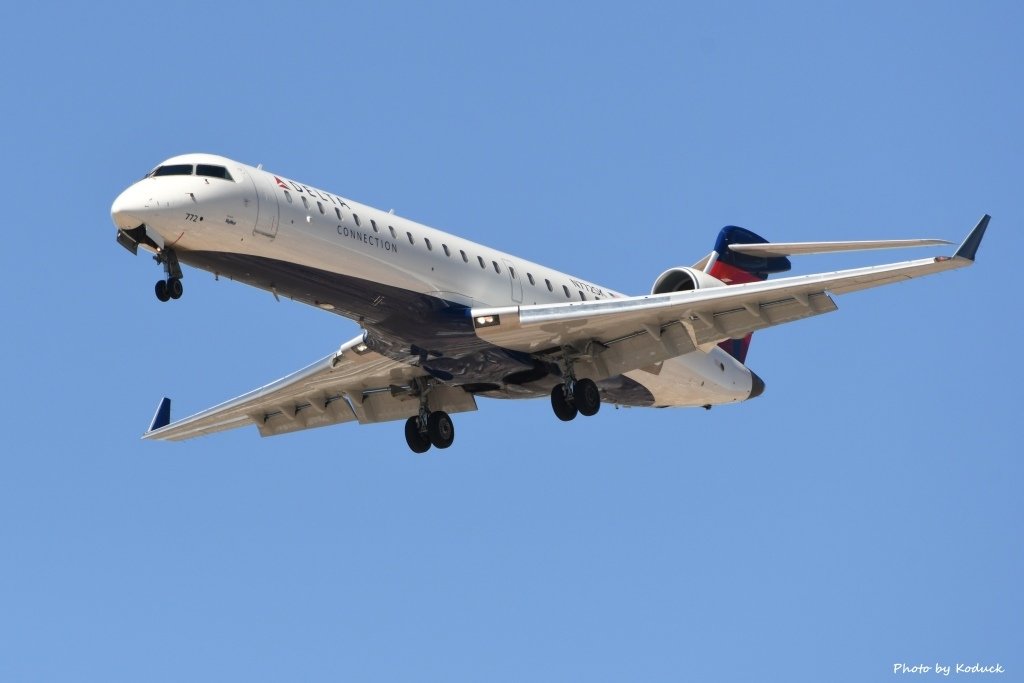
pixel 445 320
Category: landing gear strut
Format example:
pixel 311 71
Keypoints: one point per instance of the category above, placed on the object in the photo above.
pixel 574 395
pixel 429 428
pixel 169 288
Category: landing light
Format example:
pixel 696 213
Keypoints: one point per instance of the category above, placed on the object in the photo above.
pixel 361 348
pixel 487 320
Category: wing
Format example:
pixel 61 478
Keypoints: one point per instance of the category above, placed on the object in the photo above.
pixel 619 335
pixel 352 384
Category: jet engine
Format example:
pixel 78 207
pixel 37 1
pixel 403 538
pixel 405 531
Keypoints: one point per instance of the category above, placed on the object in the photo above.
pixel 683 280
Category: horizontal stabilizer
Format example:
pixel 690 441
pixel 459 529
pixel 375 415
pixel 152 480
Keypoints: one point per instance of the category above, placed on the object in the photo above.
pixel 802 248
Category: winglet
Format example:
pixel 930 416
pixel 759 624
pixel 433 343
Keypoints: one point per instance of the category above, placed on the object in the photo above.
pixel 970 245
pixel 162 417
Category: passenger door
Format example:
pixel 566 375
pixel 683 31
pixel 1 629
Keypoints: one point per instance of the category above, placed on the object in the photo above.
pixel 268 212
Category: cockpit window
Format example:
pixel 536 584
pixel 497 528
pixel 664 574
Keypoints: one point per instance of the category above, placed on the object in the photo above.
pixel 213 171
pixel 172 169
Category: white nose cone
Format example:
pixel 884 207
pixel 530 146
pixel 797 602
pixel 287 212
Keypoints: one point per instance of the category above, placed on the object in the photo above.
pixel 120 211
pixel 130 209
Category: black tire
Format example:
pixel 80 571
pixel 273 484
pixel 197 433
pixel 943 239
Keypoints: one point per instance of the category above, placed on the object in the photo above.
pixel 564 410
pixel 440 429
pixel 174 288
pixel 161 290
pixel 586 397
pixel 418 443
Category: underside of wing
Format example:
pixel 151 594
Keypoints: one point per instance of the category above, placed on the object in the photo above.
pixel 353 384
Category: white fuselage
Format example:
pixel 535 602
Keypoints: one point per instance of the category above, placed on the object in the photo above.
pixel 261 215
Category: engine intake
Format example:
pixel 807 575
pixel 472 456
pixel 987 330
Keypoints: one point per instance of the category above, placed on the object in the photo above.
pixel 684 280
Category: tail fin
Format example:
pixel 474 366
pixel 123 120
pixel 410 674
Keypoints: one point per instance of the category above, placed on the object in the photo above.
pixel 734 268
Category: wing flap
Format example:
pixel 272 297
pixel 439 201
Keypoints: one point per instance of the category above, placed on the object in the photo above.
pixel 739 322
pixel 646 348
pixel 315 412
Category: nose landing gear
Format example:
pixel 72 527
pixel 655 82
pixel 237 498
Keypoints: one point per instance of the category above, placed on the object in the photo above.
pixel 171 287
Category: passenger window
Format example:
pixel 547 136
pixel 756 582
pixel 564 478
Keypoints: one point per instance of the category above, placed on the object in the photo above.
pixel 394 235
pixel 583 297
pixel 529 276
pixel 446 252
pixel 305 202
pixel 374 224
pixel 497 268
pixel 550 288
pixel 338 212
pixel 356 216
pixel 288 196
pixel 566 290
pixel 481 260
pixel 426 241
pixel 411 240
pixel 321 207
pixel 512 271
pixel 464 257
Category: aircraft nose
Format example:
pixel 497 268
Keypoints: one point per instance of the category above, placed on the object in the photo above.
pixel 121 211
pixel 130 209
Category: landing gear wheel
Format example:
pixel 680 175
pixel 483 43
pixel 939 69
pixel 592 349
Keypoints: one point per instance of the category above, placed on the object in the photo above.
pixel 174 288
pixel 586 397
pixel 564 410
pixel 161 290
pixel 418 443
pixel 440 429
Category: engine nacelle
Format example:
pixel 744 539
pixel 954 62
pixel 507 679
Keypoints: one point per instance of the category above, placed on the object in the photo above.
pixel 683 280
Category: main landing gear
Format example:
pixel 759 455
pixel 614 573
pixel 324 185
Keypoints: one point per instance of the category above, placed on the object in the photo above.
pixel 436 429
pixel 570 398
pixel 429 428
pixel 574 395
pixel 170 288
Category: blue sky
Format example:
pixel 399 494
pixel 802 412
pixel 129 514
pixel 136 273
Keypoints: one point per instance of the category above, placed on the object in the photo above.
pixel 865 511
